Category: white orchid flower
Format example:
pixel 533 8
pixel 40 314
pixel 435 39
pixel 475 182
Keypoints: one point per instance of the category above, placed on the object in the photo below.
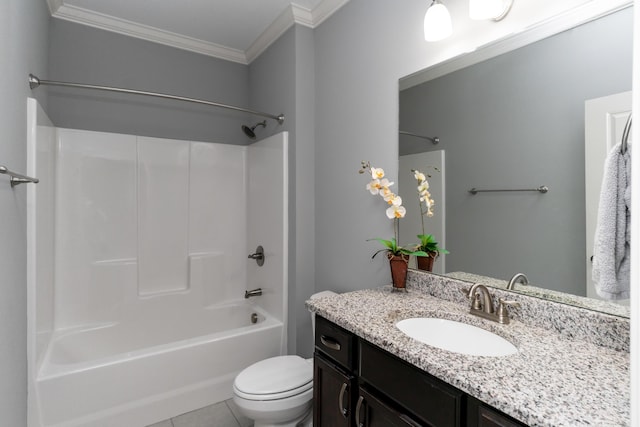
pixel 396 212
pixel 425 195
pixel 384 183
pixel 424 186
pixel 374 186
pixel 377 173
pixel 393 199
pixel 419 176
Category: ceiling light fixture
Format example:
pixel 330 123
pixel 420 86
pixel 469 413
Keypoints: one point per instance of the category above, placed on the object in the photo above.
pixel 489 9
pixel 437 22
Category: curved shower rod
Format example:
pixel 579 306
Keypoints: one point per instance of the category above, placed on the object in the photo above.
pixel 434 140
pixel 34 82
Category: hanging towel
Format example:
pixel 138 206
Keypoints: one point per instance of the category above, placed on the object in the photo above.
pixel 611 263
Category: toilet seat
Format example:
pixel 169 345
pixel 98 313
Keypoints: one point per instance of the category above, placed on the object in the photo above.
pixel 275 378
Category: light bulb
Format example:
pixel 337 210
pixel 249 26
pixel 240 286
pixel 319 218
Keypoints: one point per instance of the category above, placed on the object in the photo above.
pixel 437 22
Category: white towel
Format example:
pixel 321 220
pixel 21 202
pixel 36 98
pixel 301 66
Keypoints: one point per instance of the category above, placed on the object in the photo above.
pixel 611 263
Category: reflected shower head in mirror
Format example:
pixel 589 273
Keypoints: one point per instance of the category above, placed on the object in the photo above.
pixel 249 131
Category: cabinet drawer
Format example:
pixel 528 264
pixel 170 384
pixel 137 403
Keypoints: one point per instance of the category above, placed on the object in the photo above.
pixel 427 397
pixel 335 342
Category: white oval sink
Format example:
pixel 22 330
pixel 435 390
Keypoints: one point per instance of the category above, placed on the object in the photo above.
pixel 455 336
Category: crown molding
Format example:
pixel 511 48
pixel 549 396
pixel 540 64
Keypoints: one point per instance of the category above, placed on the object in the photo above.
pixel 278 27
pixel 302 15
pixel 152 34
pixel 325 9
pixel 293 14
pixel 54 5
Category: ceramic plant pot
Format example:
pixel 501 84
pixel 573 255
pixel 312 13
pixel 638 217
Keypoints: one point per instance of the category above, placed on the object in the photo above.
pixel 399 265
pixel 425 263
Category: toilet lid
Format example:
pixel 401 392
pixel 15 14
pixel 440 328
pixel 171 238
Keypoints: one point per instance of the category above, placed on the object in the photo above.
pixel 277 375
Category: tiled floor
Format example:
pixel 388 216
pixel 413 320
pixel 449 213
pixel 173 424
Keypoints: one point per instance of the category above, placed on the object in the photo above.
pixel 223 414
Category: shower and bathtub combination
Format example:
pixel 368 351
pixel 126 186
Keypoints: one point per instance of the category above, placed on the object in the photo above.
pixel 138 267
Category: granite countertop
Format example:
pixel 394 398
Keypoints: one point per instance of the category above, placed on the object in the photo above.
pixel 552 381
pixel 562 297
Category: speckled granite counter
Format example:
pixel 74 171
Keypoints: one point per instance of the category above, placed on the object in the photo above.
pixel 552 381
pixel 535 291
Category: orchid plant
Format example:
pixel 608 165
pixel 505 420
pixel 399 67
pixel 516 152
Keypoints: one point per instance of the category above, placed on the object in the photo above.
pixel 427 243
pixel 379 185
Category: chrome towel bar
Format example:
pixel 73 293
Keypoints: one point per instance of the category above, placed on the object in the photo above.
pixel 542 189
pixel 17 178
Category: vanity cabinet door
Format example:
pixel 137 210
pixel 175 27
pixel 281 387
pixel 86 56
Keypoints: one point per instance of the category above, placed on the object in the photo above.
pixel 481 415
pixel 488 417
pixel 431 400
pixel 334 394
pixel 372 412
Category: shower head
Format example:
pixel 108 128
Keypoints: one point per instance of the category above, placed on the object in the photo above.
pixel 249 131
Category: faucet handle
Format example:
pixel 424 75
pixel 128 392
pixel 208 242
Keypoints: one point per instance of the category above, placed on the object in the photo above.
pixel 475 304
pixel 503 314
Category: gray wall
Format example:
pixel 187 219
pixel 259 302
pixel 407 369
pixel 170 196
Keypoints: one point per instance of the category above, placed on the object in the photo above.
pixel 23 49
pixel 83 54
pixel 281 80
pixel 361 52
pixel 517 121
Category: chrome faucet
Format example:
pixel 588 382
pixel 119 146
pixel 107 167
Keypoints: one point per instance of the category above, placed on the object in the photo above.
pixel 253 293
pixel 482 304
pixel 482 300
pixel 517 278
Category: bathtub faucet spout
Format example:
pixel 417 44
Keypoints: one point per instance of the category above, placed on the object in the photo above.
pixel 253 293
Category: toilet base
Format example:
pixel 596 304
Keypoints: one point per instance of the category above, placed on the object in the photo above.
pixel 290 412
pixel 305 420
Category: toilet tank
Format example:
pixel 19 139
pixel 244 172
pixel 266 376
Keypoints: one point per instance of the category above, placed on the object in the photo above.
pixel 313 315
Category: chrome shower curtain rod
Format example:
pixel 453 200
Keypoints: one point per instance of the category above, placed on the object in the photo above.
pixel 34 82
pixel 434 140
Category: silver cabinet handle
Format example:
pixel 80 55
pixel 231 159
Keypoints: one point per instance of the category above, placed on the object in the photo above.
pixel 409 421
pixel 344 411
pixel 358 408
pixel 330 343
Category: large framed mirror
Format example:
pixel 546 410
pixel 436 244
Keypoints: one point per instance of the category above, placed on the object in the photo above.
pixel 517 121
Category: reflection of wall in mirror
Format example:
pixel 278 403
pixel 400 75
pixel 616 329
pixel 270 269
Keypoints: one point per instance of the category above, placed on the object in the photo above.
pixel 429 163
pixel 517 121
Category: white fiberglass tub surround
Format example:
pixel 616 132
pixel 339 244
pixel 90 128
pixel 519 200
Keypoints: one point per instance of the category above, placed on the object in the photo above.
pixel 133 375
pixel 137 271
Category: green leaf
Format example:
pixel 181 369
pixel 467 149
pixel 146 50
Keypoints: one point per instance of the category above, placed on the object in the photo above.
pixel 428 244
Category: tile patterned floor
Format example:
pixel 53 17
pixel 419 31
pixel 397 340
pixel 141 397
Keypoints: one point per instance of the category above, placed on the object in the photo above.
pixel 223 414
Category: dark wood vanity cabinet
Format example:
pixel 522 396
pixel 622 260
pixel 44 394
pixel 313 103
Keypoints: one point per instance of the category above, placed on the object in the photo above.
pixel 333 394
pixel 358 384
pixel 481 415
pixel 335 383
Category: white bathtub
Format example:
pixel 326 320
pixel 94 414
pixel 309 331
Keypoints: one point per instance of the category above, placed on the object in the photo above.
pixel 151 366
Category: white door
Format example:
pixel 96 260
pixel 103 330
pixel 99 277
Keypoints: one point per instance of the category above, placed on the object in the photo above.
pixel 605 119
pixel 430 163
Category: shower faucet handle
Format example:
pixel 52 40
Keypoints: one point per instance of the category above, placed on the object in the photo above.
pixel 258 255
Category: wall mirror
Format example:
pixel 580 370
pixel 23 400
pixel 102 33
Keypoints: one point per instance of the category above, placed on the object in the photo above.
pixel 514 118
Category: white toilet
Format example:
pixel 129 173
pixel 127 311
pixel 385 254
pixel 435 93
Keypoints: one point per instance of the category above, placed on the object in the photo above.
pixel 277 392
